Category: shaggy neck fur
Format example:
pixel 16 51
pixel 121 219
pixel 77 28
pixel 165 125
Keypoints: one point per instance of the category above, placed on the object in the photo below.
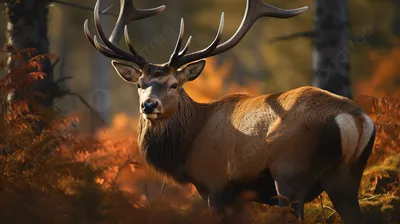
pixel 166 143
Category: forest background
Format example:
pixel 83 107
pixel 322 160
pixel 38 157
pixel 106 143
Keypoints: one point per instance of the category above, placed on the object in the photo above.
pixel 275 56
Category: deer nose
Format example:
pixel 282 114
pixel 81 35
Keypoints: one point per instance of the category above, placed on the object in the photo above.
pixel 149 106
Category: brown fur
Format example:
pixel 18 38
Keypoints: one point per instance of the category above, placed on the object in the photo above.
pixel 293 144
pixel 165 143
pixel 282 144
pixel 237 137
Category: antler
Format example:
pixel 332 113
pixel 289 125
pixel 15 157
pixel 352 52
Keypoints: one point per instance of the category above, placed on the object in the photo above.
pixel 255 9
pixel 128 13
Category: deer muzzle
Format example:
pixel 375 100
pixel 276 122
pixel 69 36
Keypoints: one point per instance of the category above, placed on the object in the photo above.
pixel 151 108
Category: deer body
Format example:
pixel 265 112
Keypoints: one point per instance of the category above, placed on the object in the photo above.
pixel 294 144
pixel 258 140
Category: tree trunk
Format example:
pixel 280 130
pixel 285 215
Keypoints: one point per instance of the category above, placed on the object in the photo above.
pixel 396 22
pixel 100 78
pixel 27 28
pixel 331 50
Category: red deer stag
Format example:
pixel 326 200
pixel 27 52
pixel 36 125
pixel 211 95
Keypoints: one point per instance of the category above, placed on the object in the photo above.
pixel 294 144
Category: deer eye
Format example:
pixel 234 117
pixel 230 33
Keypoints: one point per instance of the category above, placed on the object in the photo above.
pixel 174 86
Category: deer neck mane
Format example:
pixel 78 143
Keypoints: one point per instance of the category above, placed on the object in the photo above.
pixel 166 143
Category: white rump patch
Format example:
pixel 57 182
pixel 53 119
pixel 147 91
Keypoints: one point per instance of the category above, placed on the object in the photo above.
pixel 349 135
pixel 366 135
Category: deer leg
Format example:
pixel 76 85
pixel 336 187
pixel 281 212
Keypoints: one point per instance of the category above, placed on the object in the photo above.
pixel 299 210
pixel 224 207
pixel 346 204
pixel 227 204
pixel 342 189
pixel 288 195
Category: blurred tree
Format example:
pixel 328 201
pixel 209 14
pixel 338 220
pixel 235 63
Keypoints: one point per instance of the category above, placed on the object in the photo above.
pixel 27 28
pixel 396 22
pixel 331 51
pixel 58 43
pixel 100 80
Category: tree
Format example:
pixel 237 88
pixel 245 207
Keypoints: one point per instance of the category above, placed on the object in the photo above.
pixel 27 28
pixel 101 70
pixel 396 22
pixel 331 50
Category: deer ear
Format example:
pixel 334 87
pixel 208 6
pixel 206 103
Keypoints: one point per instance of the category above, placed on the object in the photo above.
pixel 127 72
pixel 193 70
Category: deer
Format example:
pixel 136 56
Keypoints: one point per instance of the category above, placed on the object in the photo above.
pixel 285 147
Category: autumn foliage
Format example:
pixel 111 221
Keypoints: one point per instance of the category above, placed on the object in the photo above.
pixel 61 175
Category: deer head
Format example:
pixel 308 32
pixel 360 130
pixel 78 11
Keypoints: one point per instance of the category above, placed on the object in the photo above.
pixel 160 85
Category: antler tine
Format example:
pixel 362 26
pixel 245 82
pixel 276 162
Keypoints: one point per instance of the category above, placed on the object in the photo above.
pixel 186 48
pixel 255 9
pixel 103 37
pixel 128 13
pixel 104 50
pixel 101 48
pixel 175 54
pixel 272 11
pixel 216 41
pixel 139 59
pixel 88 35
pixel 200 54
